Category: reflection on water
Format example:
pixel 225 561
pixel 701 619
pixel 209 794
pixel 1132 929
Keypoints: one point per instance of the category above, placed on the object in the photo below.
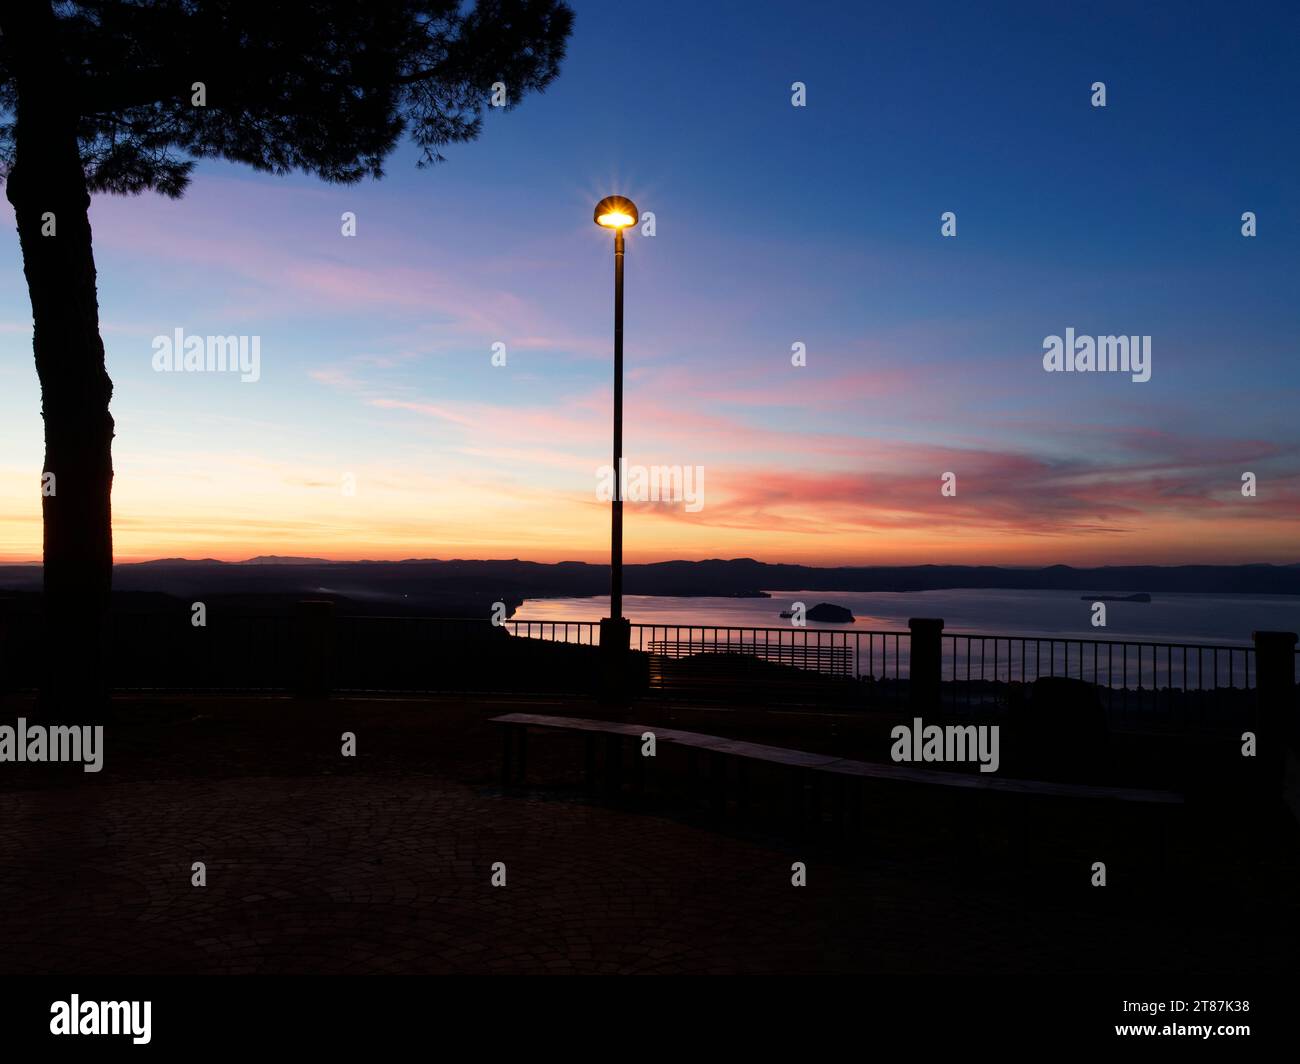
pixel 1178 618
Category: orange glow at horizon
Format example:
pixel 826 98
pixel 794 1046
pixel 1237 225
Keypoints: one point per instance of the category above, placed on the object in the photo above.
pixel 379 523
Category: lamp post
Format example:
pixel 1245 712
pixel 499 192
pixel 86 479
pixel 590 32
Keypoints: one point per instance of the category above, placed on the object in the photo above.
pixel 616 213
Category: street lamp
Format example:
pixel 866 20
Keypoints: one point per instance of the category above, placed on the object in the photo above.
pixel 617 213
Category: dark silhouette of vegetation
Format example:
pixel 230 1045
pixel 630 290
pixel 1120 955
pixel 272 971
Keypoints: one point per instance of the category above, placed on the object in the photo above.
pixel 122 96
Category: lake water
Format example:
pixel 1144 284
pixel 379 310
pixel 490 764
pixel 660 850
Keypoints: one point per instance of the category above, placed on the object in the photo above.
pixel 1176 618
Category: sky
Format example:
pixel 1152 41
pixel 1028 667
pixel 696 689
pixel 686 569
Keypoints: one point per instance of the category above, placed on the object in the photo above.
pixel 379 426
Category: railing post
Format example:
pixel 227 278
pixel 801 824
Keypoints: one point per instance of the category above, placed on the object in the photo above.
pixel 315 647
pixel 926 661
pixel 1278 731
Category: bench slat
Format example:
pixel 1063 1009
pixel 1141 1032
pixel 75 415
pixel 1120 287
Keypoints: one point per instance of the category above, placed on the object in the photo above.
pixel 846 766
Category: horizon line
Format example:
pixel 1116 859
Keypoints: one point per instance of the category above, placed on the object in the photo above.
pixel 304 560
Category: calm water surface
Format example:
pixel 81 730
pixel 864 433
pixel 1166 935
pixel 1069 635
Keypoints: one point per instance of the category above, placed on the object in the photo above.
pixel 1178 618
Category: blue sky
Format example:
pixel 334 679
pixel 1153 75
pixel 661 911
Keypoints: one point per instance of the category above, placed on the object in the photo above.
pixel 774 224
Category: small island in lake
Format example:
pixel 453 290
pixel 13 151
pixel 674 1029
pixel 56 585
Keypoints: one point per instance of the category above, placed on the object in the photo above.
pixel 826 613
pixel 1141 596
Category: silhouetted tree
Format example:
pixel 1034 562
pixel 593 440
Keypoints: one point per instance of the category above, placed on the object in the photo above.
pixel 122 96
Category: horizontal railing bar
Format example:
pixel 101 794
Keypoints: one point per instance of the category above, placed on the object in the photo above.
pixel 1098 642
pixel 854 632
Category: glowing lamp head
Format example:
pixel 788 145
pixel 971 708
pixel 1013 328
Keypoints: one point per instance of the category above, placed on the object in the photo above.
pixel 616 212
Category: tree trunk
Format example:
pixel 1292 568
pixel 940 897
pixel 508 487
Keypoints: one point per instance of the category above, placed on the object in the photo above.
pixel 47 187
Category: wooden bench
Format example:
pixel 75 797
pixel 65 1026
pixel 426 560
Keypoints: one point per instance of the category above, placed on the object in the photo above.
pixel 833 660
pixel 802 765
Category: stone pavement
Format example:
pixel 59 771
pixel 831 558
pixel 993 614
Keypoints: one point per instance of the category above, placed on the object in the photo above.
pixel 381 875
pixel 385 871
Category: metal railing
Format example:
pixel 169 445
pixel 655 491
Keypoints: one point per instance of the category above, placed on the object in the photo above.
pixel 1179 679
pixel 815 649
pixel 582 632
pixel 756 665
pixel 976 670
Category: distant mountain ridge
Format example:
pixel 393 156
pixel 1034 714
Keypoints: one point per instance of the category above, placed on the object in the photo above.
pixel 418 579
pixel 276 559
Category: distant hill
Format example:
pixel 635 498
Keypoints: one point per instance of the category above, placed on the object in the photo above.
pixel 179 561
pixel 275 559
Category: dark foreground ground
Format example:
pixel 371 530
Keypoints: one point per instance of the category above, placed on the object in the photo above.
pixel 383 862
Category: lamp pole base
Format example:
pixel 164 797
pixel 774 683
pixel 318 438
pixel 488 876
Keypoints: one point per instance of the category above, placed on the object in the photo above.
pixel 615 645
